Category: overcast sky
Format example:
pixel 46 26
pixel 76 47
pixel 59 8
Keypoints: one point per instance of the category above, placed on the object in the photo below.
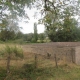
pixel 29 27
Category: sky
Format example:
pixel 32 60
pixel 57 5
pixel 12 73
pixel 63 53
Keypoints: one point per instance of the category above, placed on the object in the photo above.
pixel 28 25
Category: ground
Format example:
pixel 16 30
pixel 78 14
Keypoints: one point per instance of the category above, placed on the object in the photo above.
pixel 45 68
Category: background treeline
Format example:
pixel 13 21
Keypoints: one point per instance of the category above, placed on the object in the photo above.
pixel 60 35
pixel 61 21
pixel 7 36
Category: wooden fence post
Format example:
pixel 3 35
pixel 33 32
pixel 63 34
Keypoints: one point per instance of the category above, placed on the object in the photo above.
pixel 35 64
pixel 72 55
pixel 55 60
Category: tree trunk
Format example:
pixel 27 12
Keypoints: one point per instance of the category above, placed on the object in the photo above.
pixel 8 64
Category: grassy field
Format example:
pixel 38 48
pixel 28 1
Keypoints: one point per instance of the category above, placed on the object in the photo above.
pixel 24 69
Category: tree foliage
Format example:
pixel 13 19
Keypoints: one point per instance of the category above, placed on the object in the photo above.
pixel 7 35
pixel 13 6
pixel 59 17
pixel 10 12
pixel 60 21
pixel 8 29
pixel 41 37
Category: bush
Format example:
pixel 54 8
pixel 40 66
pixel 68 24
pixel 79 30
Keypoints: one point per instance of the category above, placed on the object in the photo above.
pixel 2 74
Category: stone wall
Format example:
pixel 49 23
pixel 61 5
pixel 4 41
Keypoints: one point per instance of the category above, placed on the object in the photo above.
pixel 67 53
pixel 70 53
pixel 77 55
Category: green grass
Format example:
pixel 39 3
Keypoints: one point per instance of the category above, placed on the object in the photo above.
pixel 50 73
pixel 2 73
pixel 46 69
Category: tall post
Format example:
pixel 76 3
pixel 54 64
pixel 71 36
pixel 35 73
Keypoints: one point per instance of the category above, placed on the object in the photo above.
pixel 35 61
pixel 55 60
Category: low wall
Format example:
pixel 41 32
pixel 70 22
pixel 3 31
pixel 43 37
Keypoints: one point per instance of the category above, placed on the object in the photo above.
pixel 77 55
pixel 69 53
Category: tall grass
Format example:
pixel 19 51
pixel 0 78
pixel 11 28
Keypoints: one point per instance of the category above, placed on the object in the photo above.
pixel 10 51
pixel 25 69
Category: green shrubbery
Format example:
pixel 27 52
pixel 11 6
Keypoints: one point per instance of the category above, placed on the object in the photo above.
pixel 28 72
pixel 9 52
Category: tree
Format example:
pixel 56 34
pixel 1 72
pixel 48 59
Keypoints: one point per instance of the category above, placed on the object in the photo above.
pixel 35 32
pixel 9 52
pixel 8 31
pixel 9 28
pixel 7 35
pixel 41 36
pixel 60 20
pixel 15 7
pixel 28 37
pixel 11 11
pixel 19 35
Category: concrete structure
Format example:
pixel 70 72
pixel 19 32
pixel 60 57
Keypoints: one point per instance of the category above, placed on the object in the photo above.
pixel 77 55
pixel 67 51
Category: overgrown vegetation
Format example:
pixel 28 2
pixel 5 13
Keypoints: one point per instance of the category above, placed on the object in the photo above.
pixel 21 38
pixel 61 20
pixel 9 52
pixel 34 67
pixel 61 25
pixel 28 72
